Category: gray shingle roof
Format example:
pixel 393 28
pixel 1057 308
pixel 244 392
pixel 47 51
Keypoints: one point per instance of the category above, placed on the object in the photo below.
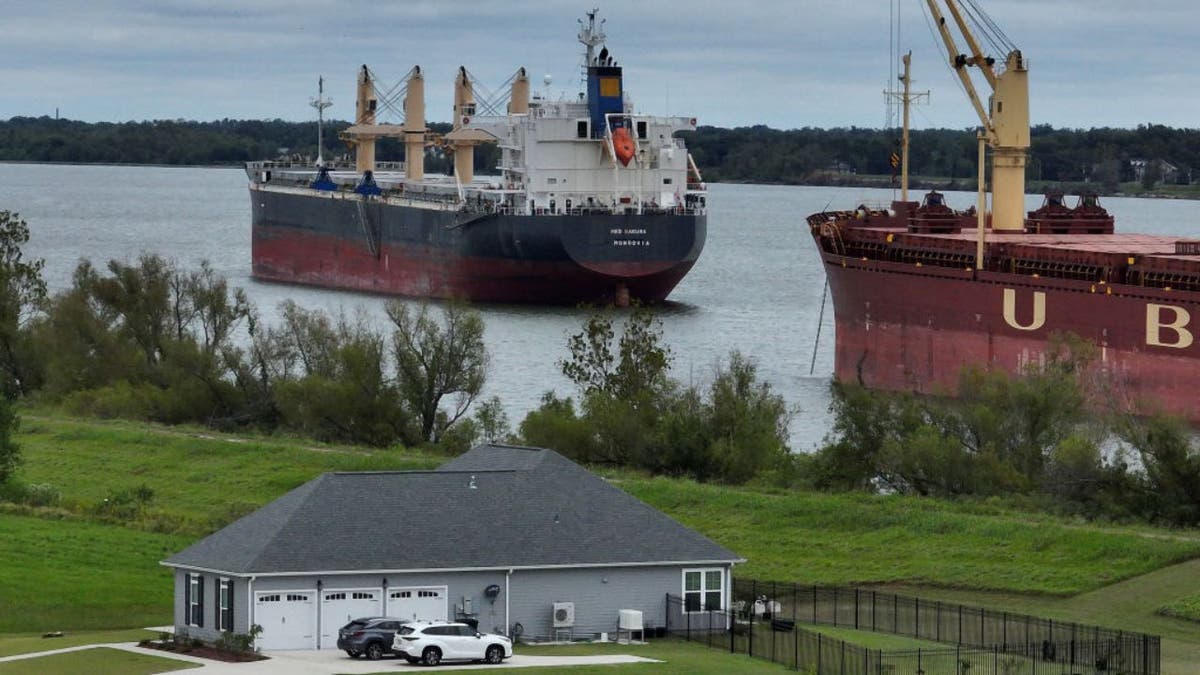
pixel 529 507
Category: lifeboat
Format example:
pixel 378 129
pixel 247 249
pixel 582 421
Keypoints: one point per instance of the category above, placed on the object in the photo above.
pixel 622 145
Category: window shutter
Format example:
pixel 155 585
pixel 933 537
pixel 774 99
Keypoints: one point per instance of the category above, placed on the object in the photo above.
pixel 187 599
pixel 200 602
pixel 229 621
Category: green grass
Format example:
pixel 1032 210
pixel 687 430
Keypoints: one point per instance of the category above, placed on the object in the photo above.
pixel 201 480
pixel 1187 607
pixel 862 539
pixel 70 575
pixel 96 661
pixel 34 642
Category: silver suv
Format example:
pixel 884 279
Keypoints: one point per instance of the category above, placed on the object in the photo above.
pixel 431 642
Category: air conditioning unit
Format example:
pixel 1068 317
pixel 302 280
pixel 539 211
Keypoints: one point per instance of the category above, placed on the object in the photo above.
pixel 629 619
pixel 564 614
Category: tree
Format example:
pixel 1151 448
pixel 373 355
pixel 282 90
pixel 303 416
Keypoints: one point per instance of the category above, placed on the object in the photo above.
pixel 436 361
pixel 22 298
pixel 10 452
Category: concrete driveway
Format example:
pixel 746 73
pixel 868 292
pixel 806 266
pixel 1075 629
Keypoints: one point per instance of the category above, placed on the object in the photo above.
pixel 329 661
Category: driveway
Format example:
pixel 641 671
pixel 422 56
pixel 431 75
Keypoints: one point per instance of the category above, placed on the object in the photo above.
pixel 329 661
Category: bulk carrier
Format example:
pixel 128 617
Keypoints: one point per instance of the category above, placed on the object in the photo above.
pixel 921 290
pixel 593 203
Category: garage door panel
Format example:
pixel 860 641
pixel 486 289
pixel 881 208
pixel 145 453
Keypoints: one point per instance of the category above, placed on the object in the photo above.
pixel 425 603
pixel 340 606
pixel 287 618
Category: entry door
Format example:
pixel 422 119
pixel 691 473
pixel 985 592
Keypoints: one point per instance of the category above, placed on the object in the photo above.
pixel 427 603
pixel 340 606
pixel 287 618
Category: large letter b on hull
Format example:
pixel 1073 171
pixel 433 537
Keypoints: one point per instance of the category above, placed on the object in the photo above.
pixel 1155 325
pixel 1010 310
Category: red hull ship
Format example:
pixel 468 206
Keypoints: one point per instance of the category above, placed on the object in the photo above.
pixel 920 292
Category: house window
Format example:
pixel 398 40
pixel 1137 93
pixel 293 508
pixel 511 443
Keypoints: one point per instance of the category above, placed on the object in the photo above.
pixel 195 600
pixel 357 595
pixel 703 590
pixel 225 604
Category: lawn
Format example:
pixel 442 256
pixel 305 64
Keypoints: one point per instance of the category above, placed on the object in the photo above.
pixel 70 575
pixel 1187 607
pixel 96 661
pixel 73 573
pixel 863 539
pixel 34 642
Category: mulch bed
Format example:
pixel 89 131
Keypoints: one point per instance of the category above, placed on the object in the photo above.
pixel 203 651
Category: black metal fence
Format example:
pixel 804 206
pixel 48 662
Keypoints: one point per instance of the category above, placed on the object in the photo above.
pixel 763 616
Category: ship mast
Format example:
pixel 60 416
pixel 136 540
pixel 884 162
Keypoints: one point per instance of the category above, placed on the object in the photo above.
pixel 320 103
pixel 591 36
pixel 1006 120
pixel 906 98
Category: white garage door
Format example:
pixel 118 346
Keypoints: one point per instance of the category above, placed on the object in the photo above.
pixel 288 619
pixel 429 603
pixel 340 606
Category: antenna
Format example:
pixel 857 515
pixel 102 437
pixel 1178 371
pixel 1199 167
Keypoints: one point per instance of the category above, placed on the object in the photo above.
pixel 320 103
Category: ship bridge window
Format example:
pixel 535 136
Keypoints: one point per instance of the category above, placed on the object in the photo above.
pixel 581 128
pixel 668 181
pixel 641 129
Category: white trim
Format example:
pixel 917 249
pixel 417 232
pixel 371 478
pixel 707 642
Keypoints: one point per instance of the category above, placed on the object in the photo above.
pixel 445 590
pixel 425 570
pixel 195 596
pixel 704 590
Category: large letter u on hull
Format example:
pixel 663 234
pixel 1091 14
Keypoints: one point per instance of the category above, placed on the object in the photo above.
pixel 1010 310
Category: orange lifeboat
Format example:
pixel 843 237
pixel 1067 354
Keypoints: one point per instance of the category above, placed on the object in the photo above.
pixel 622 145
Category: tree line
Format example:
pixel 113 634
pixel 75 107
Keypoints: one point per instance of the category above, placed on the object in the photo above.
pixel 1102 157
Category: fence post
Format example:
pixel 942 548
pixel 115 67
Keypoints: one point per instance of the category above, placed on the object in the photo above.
pixel 916 616
pixel 1004 632
pixel 856 608
pixel 819 641
pixel 688 615
pixel 836 606
pixel 795 630
pixel 872 610
pixel 959 625
pixel 895 614
pixel 733 633
pixel 1145 653
pixel 842 666
pixel 668 614
pixel 767 609
pixel 938 621
pixel 814 604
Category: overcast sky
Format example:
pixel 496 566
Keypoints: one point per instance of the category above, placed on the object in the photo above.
pixel 783 63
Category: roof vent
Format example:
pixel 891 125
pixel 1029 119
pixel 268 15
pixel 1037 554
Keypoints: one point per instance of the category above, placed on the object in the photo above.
pixel 472 484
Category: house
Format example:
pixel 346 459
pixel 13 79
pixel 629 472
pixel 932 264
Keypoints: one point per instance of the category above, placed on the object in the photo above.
pixel 521 540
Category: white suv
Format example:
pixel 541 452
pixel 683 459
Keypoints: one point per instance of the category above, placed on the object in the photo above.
pixel 432 642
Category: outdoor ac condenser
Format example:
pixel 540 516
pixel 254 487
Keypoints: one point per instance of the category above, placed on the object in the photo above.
pixel 564 614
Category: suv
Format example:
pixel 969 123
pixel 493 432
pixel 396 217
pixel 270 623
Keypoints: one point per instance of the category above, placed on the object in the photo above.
pixel 431 643
pixel 371 636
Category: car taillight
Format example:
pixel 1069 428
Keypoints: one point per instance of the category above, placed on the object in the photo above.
pixel 358 633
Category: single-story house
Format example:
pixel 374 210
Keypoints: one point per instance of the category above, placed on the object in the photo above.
pixel 521 540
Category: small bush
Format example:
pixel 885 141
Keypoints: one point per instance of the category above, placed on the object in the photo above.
pixel 43 494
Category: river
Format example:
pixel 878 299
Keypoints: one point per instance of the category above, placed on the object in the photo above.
pixel 757 287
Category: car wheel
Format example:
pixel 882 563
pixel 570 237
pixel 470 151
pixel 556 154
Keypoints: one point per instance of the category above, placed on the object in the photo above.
pixel 431 656
pixel 494 654
pixel 374 651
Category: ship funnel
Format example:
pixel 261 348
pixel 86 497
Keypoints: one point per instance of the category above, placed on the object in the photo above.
pixel 464 112
pixel 605 93
pixel 365 114
pixel 414 126
pixel 518 103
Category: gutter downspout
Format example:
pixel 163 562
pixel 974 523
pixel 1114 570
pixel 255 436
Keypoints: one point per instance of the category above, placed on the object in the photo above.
pixel 250 605
pixel 507 625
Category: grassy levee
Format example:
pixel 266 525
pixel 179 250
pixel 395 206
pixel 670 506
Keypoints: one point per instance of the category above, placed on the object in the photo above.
pixel 816 538
pixel 75 567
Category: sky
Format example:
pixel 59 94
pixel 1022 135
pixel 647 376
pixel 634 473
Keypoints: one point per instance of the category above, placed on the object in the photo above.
pixel 783 63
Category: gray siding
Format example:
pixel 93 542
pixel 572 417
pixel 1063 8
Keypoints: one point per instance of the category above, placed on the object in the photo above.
pixel 209 632
pixel 598 594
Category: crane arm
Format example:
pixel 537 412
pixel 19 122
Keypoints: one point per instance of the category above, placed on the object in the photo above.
pixel 959 61
pixel 977 58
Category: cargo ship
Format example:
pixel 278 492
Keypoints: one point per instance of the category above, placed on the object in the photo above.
pixel 921 290
pixel 591 202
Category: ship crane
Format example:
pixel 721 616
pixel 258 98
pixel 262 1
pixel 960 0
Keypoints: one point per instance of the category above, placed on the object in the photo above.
pixel 1006 119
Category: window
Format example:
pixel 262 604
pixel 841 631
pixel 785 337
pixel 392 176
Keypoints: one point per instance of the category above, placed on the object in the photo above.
pixel 703 590
pixel 225 605
pixel 551 181
pixel 274 597
pixel 401 594
pixel 297 597
pixel 194 602
pixel 333 596
pixel 357 595
pixel 428 594
pixel 581 128
pixel 641 129
pixel 668 181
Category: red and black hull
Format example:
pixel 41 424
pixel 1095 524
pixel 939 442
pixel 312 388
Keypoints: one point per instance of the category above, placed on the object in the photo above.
pixel 908 326
pixel 341 240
